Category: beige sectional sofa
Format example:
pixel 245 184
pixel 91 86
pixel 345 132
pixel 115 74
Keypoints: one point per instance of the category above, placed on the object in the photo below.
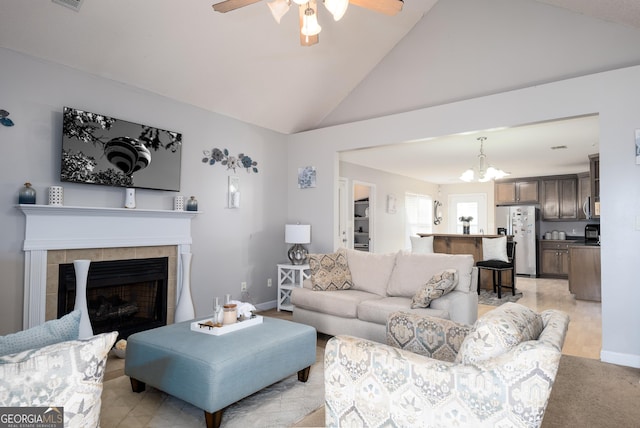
pixel 383 284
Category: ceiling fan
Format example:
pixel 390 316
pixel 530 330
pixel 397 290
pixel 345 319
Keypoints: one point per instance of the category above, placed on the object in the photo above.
pixel 308 11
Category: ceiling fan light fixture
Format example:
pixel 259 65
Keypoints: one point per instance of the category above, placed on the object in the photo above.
pixel 278 8
pixel 310 26
pixel 300 2
pixel 337 8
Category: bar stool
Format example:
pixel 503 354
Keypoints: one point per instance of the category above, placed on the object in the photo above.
pixel 497 267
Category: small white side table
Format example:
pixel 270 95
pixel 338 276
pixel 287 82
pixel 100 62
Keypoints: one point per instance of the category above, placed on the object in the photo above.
pixel 289 277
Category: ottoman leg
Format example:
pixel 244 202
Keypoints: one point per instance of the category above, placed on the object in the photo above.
pixel 136 385
pixel 214 419
pixel 303 375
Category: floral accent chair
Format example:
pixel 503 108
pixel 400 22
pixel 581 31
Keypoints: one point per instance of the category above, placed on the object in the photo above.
pixel 437 373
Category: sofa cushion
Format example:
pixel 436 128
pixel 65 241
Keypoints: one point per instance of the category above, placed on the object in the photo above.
pixel 65 374
pixel 378 311
pixel 421 245
pixel 495 249
pixel 499 331
pixel 370 271
pixel 439 285
pixel 342 303
pixel 412 271
pixel 54 331
pixel 330 271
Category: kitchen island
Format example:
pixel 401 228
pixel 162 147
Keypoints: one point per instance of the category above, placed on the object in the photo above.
pixel 467 244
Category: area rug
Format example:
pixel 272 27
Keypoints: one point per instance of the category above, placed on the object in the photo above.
pixel 586 393
pixel 487 297
pixel 279 405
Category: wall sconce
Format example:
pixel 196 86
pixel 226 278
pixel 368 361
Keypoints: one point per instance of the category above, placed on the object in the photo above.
pixel 437 212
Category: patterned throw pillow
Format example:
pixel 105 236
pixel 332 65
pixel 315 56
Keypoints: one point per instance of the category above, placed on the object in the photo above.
pixel 54 331
pixel 330 271
pixel 66 374
pixel 439 285
pixel 499 331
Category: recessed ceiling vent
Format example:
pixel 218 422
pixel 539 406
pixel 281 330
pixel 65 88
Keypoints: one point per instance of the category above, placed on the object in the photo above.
pixel 558 147
pixel 71 4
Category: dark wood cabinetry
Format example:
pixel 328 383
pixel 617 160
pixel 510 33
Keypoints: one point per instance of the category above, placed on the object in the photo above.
pixel 560 198
pixel 584 272
pixel 554 258
pixel 516 192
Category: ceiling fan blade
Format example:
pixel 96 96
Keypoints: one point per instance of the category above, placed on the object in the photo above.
pixel 387 7
pixel 229 5
pixel 308 40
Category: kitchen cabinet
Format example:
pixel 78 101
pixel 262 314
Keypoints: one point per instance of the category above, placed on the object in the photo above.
pixel 559 198
pixel 554 258
pixel 516 192
pixel 584 272
pixel 361 225
pixel 584 194
pixel 594 169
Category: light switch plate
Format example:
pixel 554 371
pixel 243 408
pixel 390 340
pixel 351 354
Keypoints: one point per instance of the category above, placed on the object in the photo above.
pixel 638 222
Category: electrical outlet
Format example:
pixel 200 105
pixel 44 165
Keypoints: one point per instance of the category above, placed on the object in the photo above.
pixel 243 286
pixel 269 283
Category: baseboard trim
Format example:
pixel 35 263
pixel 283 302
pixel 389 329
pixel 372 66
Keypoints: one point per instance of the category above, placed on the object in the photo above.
pixel 628 360
pixel 265 306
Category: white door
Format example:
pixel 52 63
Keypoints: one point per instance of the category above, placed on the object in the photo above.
pixel 343 210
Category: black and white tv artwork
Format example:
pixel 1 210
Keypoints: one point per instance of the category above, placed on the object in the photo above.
pixel 99 149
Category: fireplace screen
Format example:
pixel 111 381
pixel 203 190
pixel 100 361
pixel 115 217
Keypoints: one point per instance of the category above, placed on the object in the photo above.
pixel 122 295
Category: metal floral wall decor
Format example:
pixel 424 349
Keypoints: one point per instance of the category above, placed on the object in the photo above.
pixel 4 119
pixel 232 162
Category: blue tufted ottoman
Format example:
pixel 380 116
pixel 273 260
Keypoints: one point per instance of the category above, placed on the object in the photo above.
pixel 212 372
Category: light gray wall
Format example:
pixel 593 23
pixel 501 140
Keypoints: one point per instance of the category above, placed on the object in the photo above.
pixel 609 94
pixel 229 245
pixel 389 228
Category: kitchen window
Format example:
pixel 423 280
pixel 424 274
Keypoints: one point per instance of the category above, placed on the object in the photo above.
pixel 419 215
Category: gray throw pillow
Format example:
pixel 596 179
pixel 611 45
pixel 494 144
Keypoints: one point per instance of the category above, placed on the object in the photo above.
pixel 439 285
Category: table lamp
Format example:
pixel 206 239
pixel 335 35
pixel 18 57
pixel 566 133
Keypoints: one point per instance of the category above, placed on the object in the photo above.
pixel 297 234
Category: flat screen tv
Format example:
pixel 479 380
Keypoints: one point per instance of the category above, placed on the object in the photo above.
pixel 99 149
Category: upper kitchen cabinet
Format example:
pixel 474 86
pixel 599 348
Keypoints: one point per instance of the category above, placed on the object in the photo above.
pixel 559 198
pixel 594 162
pixel 521 191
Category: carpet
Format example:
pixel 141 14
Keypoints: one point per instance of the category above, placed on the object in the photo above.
pixel 279 405
pixel 487 297
pixel 586 393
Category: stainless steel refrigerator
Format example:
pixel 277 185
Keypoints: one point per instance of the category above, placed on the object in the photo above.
pixel 521 221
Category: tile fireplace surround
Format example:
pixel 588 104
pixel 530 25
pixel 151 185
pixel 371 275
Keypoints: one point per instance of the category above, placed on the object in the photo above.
pixel 55 235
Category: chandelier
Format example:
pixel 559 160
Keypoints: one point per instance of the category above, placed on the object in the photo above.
pixel 482 173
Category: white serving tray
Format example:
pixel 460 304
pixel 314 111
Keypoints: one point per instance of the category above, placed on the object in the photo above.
pixel 218 331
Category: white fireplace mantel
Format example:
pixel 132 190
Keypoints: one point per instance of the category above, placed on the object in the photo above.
pixel 62 228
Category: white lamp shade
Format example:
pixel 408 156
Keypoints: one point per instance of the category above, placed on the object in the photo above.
pixel 310 26
pixel 297 233
pixel 278 9
pixel 337 8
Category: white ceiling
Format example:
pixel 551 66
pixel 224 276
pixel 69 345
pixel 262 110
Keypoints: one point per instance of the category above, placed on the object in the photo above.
pixel 244 65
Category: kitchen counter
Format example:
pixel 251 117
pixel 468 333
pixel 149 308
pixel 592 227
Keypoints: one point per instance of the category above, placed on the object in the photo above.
pixel 584 272
pixel 467 244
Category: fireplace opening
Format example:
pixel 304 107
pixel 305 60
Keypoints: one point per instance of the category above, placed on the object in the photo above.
pixel 127 296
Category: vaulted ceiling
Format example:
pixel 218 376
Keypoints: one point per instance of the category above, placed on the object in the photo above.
pixel 244 65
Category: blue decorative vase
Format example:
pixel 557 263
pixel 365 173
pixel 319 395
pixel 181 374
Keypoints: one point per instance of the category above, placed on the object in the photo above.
pixel 27 194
